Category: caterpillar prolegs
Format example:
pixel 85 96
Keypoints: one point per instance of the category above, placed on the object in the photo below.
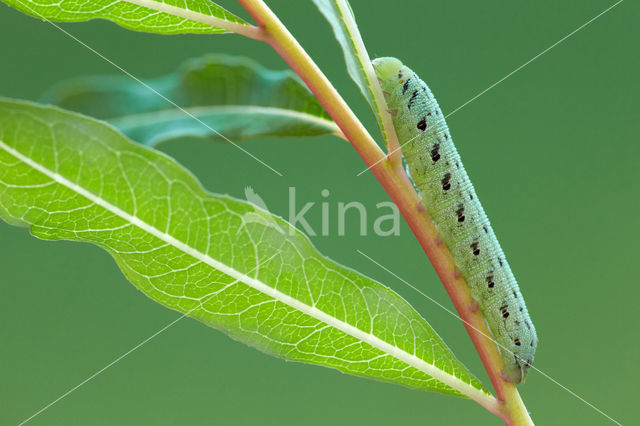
pixel 437 172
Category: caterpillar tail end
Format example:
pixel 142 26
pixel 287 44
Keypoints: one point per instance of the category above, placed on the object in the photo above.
pixel 516 373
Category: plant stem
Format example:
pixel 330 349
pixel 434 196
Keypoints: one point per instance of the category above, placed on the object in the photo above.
pixel 395 181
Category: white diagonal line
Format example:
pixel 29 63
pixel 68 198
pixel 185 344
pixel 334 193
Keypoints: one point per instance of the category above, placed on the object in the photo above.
pixel 91 377
pixel 486 400
pixel 203 300
pixel 152 89
pixel 533 59
pixel 489 337
pixel 501 80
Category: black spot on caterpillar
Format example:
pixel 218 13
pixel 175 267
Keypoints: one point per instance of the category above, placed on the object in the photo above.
pixel 413 97
pixel 490 282
pixel 405 86
pixel 459 213
pixel 449 198
pixel 446 181
pixel 435 154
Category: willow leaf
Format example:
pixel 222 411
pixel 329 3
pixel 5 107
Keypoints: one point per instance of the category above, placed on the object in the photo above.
pixel 224 262
pixel 164 17
pixel 340 16
pixel 231 96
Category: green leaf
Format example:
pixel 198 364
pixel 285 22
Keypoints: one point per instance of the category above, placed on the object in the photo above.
pixel 164 17
pixel 222 261
pixel 231 96
pixel 340 16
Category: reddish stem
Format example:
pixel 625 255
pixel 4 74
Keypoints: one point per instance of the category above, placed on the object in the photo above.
pixel 398 186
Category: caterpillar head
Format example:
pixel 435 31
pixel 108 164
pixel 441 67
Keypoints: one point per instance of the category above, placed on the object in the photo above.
pixel 391 72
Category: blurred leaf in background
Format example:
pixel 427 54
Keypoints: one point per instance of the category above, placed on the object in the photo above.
pixel 218 97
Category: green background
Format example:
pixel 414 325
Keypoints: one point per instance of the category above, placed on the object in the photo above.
pixel 554 155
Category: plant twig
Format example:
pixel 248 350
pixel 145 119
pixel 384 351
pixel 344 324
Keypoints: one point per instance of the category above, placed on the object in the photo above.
pixel 395 181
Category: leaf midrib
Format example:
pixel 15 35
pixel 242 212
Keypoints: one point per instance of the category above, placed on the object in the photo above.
pixel 162 115
pixel 187 14
pixel 410 359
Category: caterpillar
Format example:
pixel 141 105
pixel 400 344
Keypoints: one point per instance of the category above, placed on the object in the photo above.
pixel 448 196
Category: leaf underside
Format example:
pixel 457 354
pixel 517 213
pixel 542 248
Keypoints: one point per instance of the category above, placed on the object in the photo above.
pixel 222 261
pixel 223 97
pixel 342 21
pixel 163 17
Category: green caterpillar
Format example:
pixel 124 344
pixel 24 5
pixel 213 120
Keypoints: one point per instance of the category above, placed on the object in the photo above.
pixel 435 168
